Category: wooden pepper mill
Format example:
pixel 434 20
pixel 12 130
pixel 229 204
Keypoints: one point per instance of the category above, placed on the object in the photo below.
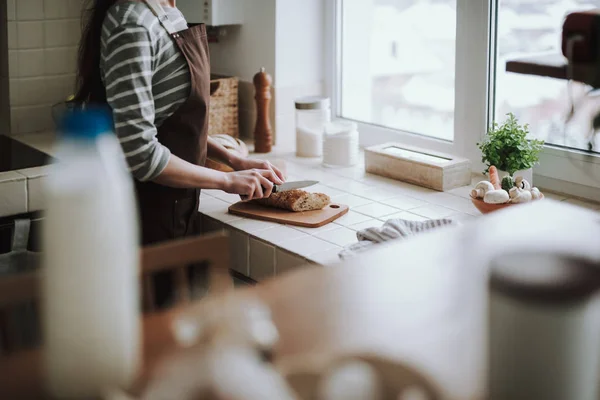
pixel 263 134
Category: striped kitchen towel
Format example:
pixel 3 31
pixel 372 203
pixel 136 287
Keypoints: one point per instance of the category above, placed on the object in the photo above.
pixel 392 229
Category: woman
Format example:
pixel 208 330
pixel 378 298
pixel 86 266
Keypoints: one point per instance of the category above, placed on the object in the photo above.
pixel 154 73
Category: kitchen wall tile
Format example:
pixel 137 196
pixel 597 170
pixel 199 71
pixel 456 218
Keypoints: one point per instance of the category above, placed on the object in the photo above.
pixel 14 123
pixel 55 9
pixel 12 10
pixel 285 261
pixel 60 87
pixel 13 193
pixel 30 35
pixel 239 243
pixel 262 260
pixel 279 234
pixel 13 63
pixel 12 36
pixel 33 119
pixel 341 236
pixel 60 61
pixel 327 257
pixel 62 32
pixel 306 245
pixel 13 91
pixel 75 8
pixel 28 10
pixel 376 210
pixel 31 91
pixel 31 63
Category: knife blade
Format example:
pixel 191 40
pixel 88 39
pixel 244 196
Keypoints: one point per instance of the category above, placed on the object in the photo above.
pixel 292 185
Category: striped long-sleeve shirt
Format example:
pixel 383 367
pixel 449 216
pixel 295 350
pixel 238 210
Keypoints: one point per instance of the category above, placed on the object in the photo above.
pixel 146 79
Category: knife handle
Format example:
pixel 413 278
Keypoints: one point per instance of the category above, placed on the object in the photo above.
pixel 275 189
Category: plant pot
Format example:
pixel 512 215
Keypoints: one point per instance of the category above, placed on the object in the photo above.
pixel 527 175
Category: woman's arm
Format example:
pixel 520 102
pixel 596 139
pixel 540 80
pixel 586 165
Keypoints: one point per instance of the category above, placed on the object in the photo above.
pixel 252 183
pixel 218 152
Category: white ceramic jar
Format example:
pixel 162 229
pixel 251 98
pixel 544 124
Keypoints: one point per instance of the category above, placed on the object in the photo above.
pixel 312 113
pixel 340 144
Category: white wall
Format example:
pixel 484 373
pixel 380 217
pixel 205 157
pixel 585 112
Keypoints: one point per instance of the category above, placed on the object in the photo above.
pixel 42 49
pixel 285 37
pixel 247 48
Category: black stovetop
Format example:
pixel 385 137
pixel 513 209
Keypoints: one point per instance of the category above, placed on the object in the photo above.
pixel 16 155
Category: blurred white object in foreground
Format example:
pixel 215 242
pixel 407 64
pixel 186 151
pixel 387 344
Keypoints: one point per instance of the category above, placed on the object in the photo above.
pixel 90 285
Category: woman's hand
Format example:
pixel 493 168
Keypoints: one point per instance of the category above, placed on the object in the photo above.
pixel 251 184
pixel 241 164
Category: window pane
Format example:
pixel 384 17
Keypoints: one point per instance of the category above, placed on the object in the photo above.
pixel 528 27
pixel 397 64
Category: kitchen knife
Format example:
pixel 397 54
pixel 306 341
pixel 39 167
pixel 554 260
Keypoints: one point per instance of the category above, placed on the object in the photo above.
pixel 292 185
pixel 287 186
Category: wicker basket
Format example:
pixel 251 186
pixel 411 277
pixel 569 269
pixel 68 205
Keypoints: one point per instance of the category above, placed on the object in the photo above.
pixel 223 114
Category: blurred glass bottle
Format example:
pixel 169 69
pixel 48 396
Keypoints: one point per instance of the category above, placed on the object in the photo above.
pixel 90 283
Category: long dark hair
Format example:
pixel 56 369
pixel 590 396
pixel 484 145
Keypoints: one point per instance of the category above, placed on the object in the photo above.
pixel 89 82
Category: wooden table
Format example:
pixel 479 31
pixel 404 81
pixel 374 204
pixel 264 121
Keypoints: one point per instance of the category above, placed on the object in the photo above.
pixel 421 301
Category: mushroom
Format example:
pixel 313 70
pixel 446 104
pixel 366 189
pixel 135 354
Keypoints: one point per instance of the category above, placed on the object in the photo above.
pixel 522 183
pixel 518 195
pixel 496 197
pixel 481 189
pixel 536 194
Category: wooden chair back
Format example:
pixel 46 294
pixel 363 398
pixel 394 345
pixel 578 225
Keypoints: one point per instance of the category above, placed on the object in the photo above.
pixel 212 250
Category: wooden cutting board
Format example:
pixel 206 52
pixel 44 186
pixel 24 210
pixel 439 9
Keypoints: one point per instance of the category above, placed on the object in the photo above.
pixel 308 219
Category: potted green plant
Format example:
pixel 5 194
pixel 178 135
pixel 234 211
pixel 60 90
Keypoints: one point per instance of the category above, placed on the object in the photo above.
pixel 507 147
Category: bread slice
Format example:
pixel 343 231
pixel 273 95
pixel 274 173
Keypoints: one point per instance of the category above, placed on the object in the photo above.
pixel 296 200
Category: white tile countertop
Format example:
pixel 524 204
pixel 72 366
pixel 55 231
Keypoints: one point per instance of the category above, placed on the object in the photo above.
pixel 262 249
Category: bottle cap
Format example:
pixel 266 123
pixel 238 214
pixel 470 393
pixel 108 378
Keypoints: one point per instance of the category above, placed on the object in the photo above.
pixel 86 123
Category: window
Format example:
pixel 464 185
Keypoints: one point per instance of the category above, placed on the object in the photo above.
pixel 411 88
pixel 528 28
pixel 444 78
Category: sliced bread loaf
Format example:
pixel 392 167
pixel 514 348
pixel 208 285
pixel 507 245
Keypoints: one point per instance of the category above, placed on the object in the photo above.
pixel 296 200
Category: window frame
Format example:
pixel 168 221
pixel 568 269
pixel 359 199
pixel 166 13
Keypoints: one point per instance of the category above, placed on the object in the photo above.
pixel 559 170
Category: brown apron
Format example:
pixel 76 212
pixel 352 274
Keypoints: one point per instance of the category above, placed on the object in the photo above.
pixel 168 213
